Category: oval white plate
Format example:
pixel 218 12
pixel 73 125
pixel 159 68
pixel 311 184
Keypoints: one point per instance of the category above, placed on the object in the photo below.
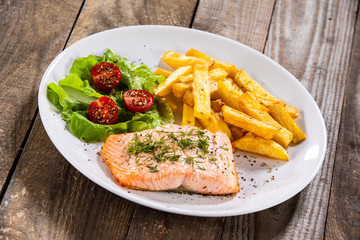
pixel 265 183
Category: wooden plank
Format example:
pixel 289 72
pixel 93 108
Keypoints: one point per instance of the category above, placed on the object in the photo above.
pixel 312 40
pixel 343 221
pixel 244 21
pixel 26 48
pixel 102 15
pixel 49 199
pixel 151 224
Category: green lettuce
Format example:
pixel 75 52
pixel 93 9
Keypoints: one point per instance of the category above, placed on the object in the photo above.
pixel 74 93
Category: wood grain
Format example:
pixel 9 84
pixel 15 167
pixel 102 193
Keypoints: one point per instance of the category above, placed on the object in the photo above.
pixel 153 224
pixel 61 204
pixel 98 16
pixel 27 46
pixel 49 199
pixel 312 40
pixel 343 221
pixel 245 21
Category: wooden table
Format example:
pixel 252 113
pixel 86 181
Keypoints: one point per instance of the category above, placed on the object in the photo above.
pixel 44 197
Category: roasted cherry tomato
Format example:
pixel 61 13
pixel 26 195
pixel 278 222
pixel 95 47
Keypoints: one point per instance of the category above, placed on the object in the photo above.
pixel 137 100
pixel 103 111
pixel 105 75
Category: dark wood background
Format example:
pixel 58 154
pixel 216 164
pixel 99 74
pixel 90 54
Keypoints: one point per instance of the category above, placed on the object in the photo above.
pixel 43 197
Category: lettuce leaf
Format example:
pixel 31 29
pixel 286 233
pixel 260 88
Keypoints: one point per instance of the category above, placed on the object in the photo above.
pixel 133 75
pixel 74 107
pixel 82 67
pixel 62 100
pixel 74 82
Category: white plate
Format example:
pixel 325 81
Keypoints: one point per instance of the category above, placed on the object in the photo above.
pixel 265 182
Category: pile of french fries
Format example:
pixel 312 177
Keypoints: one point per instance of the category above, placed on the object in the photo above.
pixel 217 96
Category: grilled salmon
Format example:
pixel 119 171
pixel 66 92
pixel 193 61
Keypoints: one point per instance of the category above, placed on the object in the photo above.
pixel 173 157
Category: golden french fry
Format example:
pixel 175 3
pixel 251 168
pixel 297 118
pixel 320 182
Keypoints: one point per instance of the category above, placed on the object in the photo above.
pixel 216 123
pixel 164 88
pixel 246 83
pixel 198 124
pixel 244 121
pixel 283 137
pixel 250 97
pixel 251 108
pixel 261 146
pixel 176 60
pixel 178 89
pixel 163 72
pixel 186 78
pixel 201 90
pixel 188 98
pixel 218 74
pixel 230 97
pixel 293 111
pixel 188 115
pixel 217 104
pixel 196 53
pixel 283 117
pixel 236 132
pixel 214 91
pixel 229 68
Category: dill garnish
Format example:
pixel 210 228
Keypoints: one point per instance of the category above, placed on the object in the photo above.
pixel 165 149
pixel 226 149
pixel 153 169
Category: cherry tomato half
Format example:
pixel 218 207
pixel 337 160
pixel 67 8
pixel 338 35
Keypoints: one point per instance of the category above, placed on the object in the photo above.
pixel 103 111
pixel 105 75
pixel 137 100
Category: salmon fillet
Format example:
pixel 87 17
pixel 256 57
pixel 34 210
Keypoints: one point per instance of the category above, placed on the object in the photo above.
pixel 173 157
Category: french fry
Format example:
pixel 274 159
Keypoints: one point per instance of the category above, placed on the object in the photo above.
pixel 293 111
pixel 163 72
pixel 214 90
pixel 178 89
pixel 251 107
pixel 198 124
pixel 164 88
pixel 229 68
pixel 201 90
pixel 216 123
pixel 283 117
pixel 236 132
pixel 214 74
pixel 249 96
pixel 188 115
pixel 176 60
pixel 217 74
pixel 230 97
pixel 188 98
pixel 246 83
pixel 196 53
pixel 186 78
pixel 244 121
pixel 261 146
pixel 217 104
